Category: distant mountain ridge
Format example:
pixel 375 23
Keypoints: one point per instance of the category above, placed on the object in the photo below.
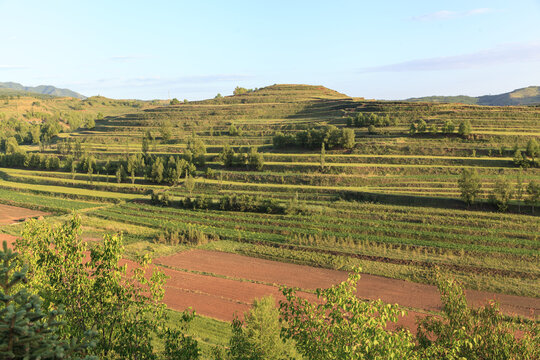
pixel 525 96
pixel 41 89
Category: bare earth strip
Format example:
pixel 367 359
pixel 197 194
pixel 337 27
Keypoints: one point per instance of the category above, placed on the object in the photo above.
pixel 12 214
pixel 404 293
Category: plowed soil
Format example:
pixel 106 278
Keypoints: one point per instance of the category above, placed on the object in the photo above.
pixel 12 214
pixel 239 290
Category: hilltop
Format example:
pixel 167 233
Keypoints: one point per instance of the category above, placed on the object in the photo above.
pixel 525 96
pixel 12 88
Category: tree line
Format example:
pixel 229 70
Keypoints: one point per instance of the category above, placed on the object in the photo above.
pixel 329 135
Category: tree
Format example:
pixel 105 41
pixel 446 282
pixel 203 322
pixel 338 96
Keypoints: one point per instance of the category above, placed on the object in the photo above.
pixel 96 292
pixel 470 185
pixel 465 128
pixel 120 174
pixel 475 334
pixel 12 146
pixel 189 183
pixel 234 131
pixel 533 194
pixel 348 138
pixel 228 156
pixel 322 160
pixel 255 160
pixel 174 101
pixel 198 150
pixel 27 330
pixel 157 170
pixel 90 123
pixel 532 150
pixel 502 193
pixel 258 337
pixel 145 145
pixel 240 90
pixel 519 189
pixel 166 130
pixel 519 160
pixel 448 127
pixel 341 326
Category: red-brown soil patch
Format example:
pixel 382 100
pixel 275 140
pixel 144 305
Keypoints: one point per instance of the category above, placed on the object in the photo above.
pixel 404 293
pixel 10 239
pixel 12 214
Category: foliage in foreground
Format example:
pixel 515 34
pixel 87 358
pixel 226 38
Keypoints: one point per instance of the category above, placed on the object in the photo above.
pixel 341 326
pixel 27 331
pixel 122 306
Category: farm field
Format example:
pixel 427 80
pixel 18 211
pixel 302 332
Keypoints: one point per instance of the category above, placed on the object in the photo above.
pixel 11 214
pixel 234 197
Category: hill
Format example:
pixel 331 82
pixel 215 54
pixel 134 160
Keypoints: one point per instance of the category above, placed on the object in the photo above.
pixel 204 187
pixel 12 88
pixel 525 96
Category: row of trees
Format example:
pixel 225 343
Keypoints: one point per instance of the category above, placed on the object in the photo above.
pixel 252 160
pixel 532 150
pixel 367 119
pixel 420 126
pixel 330 136
pixel 502 193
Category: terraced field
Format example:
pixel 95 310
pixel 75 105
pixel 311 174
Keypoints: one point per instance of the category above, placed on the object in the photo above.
pixel 390 203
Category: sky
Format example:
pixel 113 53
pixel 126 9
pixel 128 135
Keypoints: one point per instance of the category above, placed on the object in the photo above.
pixel 196 49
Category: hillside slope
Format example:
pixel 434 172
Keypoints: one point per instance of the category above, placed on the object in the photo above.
pixel 525 96
pixel 16 88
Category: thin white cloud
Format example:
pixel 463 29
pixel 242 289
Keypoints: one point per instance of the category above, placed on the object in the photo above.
pixel 12 67
pixel 502 54
pixel 161 82
pixel 448 14
pixel 124 58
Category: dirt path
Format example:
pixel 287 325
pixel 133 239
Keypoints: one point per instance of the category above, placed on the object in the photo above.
pixel 404 293
pixel 12 214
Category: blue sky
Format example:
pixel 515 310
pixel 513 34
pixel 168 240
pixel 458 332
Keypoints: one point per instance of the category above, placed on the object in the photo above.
pixel 195 49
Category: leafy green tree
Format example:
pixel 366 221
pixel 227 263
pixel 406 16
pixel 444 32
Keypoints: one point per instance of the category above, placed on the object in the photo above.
pixel 166 130
pixel 120 174
pixel 90 123
pixel 175 101
pixel 465 128
pixel 475 334
pixel 348 139
pixel 520 188
pixel 35 133
pixel 519 160
pixel 532 149
pixel 96 292
pixel 448 127
pixel 240 90
pixel 533 194
pixel 145 145
pixel 228 156
pixel 27 330
pixel 469 185
pixel 157 171
pixel 189 183
pixel 342 326
pixel 234 131
pixel 12 146
pixel 502 193
pixel 198 150
pixel 258 337
pixel 255 160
